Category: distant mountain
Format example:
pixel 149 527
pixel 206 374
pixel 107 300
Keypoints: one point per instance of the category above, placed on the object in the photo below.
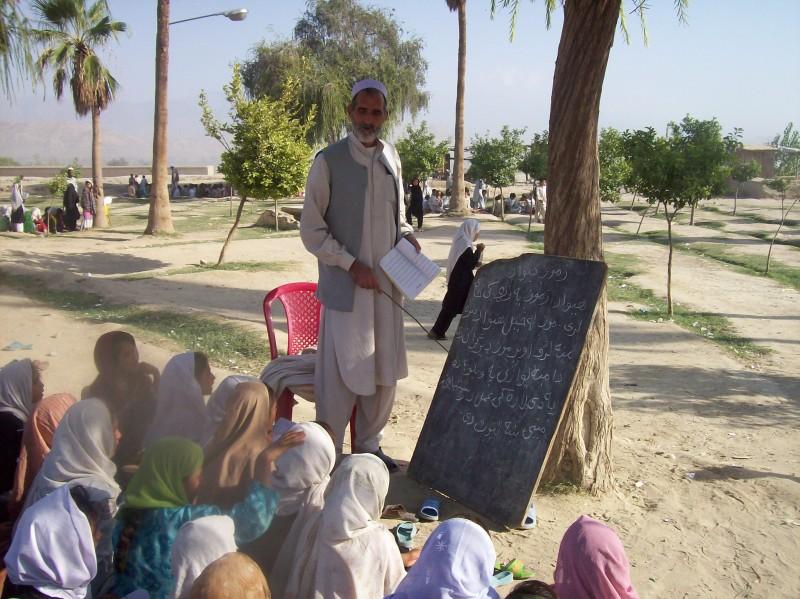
pixel 59 142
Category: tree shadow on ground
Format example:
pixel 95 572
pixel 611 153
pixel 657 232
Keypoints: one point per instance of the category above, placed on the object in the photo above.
pixel 714 473
pixel 741 397
pixel 100 263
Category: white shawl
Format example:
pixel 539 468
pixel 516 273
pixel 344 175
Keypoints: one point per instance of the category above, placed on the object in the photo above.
pixel 354 556
pixel 463 239
pixel 81 455
pixel 181 409
pixel 301 477
pixel 197 544
pixel 53 549
pixel 16 388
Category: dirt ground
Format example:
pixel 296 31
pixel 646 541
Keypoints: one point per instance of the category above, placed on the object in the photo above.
pixel 706 448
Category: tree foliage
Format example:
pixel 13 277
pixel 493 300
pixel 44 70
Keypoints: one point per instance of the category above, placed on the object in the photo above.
pixel 266 154
pixel 15 45
pixel 787 162
pixel 497 159
pixel 420 154
pixel 58 184
pixel 745 170
pixel 534 163
pixel 336 43
pixel 615 171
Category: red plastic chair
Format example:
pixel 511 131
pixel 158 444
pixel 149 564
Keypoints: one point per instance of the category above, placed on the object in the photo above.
pixel 303 311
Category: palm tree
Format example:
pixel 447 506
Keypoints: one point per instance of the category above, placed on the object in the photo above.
pixel 159 217
pixel 581 452
pixel 15 51
pixel 72 32
pixel 458 203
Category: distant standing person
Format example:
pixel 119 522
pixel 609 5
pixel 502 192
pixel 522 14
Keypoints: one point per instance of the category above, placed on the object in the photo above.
pixel 461 261
pixel 540 199
pixel 88 205
pixel 17 206
pixel 141 192
pixel 175 180
pixel 132 183
pixel 70 202
pixel 416 208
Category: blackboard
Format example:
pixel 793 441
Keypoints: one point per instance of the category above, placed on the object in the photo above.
pixel 507 375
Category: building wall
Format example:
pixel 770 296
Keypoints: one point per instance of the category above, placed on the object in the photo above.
pixel 108 171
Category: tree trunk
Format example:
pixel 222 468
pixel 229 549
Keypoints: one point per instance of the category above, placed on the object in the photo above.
pixel 502 206
pixel 735 198
pixel 581 452
pixel 97 171
pixel 669 258
pixel 641 220
pixel 633 201
pixel 777 232
pixel 276 215
pixel 159 219
pixel 458 201
pixel 691 217
pixel 232 231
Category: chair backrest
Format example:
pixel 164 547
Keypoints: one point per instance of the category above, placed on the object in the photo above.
pixel 302 309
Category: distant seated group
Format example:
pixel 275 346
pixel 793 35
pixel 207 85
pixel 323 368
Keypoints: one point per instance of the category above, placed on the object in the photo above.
pixel 202 190
pixel 141 489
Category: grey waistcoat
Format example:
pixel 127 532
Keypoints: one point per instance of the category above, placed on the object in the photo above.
pixel 345 220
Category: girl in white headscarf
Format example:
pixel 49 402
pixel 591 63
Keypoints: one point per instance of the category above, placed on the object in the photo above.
pixel 53 549
pixel 199 542
pixel 354 555
pixel 20 388
pixel 300 478
pixel 463 258
pixel 456 562
pixel 181 408
pixel 82 452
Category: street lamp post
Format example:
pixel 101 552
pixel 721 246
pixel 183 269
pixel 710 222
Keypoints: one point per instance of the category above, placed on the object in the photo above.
pixel 159 219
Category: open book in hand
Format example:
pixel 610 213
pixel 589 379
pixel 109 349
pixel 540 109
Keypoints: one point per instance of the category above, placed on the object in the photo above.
pixel 411 272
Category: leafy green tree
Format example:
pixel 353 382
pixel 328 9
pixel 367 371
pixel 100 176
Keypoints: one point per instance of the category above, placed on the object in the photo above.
pixel 658 166
pixel 336 43
pixel 787 160
pixel 15 45
pixel 419 152
pixel 741 172
pixel 72 33
pixel 534 163
pixel 614 168
pixel 705 153
pixel 781 186
pixel 58 184
pixel 496 159
pixel 266 155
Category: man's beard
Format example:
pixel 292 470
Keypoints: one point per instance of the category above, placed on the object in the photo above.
pixel 367 134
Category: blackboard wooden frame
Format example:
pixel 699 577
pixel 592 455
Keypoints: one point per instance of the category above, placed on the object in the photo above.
pixel 500 399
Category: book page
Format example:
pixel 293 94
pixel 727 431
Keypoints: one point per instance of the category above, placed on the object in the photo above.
pixel 411 272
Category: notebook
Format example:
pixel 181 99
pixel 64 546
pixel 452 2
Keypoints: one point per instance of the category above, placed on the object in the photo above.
pixel 411 272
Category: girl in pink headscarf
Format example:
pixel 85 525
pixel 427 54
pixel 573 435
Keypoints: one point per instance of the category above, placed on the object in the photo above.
pixel 592 563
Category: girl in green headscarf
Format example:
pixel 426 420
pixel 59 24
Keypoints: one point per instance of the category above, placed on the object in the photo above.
pixel 158 501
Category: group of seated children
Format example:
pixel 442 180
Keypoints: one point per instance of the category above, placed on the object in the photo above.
pixel 202 190
pixel 141 489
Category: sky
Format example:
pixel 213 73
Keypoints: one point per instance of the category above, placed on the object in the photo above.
pixel 736 60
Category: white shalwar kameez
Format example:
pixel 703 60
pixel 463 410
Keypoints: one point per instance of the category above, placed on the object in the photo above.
pixel 361 354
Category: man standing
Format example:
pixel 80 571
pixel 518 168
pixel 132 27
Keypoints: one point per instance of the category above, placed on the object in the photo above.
pixel 352 217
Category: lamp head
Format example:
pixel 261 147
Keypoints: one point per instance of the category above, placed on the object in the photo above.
pixel 237 14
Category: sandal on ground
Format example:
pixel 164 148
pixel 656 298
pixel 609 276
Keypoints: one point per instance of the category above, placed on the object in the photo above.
pixel 404 534
pixel 429 510
pixel 517 569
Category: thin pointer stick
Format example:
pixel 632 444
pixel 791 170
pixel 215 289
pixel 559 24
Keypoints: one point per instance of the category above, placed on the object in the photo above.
pixel 412 316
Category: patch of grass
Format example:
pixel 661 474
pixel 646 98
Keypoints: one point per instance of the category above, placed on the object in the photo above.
pixel 767 236
pixel 195 268
pixel 756 218
pixel 653 308
pixel 562 488
pixel 227 345
pixel 746 263
pixel 710 224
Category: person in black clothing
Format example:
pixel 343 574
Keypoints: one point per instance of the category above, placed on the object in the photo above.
pixel 460 263
pixel 71 212
pixel 416 208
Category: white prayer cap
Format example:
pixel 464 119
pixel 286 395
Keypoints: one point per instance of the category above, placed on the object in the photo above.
pixel 360 86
